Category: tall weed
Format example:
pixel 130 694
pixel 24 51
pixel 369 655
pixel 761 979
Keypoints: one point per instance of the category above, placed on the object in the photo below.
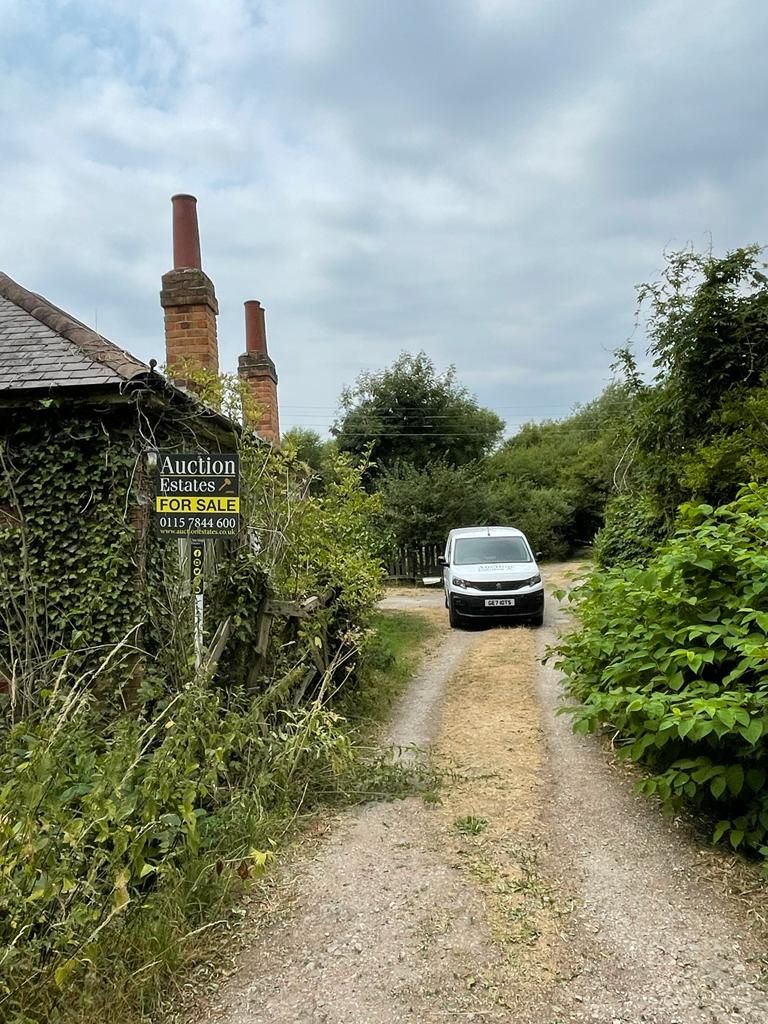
pixel 120 847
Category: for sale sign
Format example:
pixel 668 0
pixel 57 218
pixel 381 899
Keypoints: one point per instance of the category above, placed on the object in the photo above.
pixel 198 495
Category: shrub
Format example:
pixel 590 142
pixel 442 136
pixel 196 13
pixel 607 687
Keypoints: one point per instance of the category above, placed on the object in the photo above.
pixel 632 532
pixel 127 821
pixel 544 514
pixel 673 658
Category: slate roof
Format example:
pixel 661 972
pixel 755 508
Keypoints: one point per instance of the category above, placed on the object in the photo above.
pixel 44 348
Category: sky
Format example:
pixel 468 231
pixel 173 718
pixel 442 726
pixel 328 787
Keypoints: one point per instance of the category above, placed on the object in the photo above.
pixel 484 180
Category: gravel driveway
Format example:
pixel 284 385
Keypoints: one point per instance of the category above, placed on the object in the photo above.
pixel 541 891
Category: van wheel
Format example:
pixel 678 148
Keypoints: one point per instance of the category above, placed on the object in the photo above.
pixel 454 618
pixel 538 620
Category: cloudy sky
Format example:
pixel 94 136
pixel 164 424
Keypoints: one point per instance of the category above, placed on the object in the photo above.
pixel 486 180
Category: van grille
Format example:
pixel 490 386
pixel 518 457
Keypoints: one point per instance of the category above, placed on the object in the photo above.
pixel 498 584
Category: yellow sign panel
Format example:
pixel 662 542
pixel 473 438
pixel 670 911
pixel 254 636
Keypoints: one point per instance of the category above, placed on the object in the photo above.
pixel 197 503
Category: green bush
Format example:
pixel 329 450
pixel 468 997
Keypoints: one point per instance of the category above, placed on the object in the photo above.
pixel 632 532
pixel 129 814
pixel 673 658
pixel 424 504
pixel 544 514
pixel 119 846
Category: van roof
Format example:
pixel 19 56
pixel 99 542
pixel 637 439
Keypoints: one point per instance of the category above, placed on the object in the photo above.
pixel 486 531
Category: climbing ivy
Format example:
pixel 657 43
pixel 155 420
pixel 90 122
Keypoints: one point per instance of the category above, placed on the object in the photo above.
pixel 82 567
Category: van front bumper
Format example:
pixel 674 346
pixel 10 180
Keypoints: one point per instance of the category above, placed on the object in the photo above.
pixel 475 607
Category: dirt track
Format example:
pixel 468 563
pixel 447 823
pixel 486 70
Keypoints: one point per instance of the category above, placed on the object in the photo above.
pixel 541 890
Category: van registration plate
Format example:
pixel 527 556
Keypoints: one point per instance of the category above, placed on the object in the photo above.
pixel 499 602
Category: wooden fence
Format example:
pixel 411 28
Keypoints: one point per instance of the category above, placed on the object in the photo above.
pixel 415 561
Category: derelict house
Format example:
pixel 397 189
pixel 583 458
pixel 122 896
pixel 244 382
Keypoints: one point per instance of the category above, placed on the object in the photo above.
pixel 82 425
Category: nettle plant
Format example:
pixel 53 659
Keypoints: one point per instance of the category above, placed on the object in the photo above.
pixel 673 658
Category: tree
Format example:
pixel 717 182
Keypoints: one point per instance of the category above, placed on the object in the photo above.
pixel 411 414
pixel 553 479
pixel 696 431
pixel 423 505
pixel 316 454
pixel 694 425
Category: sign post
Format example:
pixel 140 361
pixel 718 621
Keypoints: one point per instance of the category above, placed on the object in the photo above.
pixel 198 498
pixel 196 550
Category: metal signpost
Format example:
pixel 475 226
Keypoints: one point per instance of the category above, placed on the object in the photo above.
pixel 197 498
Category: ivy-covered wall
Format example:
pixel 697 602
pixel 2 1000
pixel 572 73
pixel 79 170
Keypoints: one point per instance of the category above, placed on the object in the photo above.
pixel 81 565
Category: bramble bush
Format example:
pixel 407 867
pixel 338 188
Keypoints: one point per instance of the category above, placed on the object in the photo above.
pixel 673 658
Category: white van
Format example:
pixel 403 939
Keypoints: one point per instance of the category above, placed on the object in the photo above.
pixel 491 572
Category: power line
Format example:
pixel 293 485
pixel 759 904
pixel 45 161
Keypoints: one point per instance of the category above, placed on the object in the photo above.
pixel 435 433
pixel 421 408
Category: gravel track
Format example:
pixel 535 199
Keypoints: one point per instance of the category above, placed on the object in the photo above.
pixel 653 939
pixel 368 940
pixel 391 924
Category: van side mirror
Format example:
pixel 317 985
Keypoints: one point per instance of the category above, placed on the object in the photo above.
pixel 441 560
pixel 538 555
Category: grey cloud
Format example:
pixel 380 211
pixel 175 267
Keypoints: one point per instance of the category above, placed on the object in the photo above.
pixel 486 185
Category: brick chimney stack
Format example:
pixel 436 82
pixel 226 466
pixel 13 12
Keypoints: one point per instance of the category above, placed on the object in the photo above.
pixel 258 371
pixel 189 300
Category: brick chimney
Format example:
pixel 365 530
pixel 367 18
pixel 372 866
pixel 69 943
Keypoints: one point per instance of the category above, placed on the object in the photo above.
pixel 189 300
pixel 258 371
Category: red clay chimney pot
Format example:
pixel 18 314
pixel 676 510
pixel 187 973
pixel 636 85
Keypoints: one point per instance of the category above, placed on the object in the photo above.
pixel 186 236
pixel 255 327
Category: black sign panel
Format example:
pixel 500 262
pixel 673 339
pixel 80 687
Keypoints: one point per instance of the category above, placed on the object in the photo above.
pixel 198 494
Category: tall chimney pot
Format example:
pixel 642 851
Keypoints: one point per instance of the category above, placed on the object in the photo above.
pixel 257 371
pixel 186 235
pixel 255 327
pixel 189 301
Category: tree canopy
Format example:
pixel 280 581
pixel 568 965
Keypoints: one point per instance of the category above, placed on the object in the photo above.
pixel 410 413
pixel 696 431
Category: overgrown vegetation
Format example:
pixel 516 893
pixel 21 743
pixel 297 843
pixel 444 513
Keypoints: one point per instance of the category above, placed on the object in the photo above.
pixel 673 658
pixel 696 431
pixel 439 463
pixel 552 480
pixel 671 648
pixel 396 643
pixel 137 794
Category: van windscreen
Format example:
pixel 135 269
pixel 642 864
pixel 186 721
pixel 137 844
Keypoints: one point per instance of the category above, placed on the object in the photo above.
pixel 490 550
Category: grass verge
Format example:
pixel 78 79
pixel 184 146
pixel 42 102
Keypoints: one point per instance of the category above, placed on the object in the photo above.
pixel 393 655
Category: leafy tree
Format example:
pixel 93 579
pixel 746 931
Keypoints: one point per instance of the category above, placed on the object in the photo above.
pixel 316 454
pixel 553 479
pixel 698 425
pixel 410 413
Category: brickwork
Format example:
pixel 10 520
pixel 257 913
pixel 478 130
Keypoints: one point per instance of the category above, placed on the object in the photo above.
pixel 190 305
pixel 258 371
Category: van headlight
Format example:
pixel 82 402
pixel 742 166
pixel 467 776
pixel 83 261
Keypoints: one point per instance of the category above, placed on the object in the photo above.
pixel 459 582
pixel 534 579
